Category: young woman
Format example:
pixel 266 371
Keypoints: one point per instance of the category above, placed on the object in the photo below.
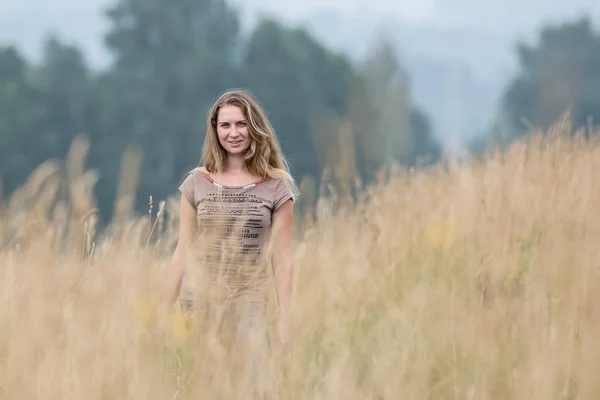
pixel 236 217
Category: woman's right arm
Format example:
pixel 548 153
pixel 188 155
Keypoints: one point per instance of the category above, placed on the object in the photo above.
pixel 176 268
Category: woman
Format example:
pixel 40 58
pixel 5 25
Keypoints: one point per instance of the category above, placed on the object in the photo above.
pixel 236 214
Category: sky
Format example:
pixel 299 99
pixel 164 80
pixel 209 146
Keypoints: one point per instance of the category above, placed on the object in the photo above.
pixel 27 21
pixel 406 9
pixel 492 15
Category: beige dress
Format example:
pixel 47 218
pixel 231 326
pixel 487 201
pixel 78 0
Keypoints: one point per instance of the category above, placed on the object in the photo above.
pixel 228 275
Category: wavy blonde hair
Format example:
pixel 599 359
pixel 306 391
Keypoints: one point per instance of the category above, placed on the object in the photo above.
pixel 264 157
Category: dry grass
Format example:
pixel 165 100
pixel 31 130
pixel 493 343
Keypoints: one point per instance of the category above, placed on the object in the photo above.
pixel 477 281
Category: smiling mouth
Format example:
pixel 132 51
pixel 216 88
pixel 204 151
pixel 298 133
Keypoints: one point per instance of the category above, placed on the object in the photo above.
pixel 235 143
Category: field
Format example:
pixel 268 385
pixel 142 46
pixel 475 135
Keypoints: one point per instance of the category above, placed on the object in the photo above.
pixel 472 281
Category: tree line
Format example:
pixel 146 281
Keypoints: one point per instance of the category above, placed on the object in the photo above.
pixel 170 60
pixel 558 73
pixel 169 63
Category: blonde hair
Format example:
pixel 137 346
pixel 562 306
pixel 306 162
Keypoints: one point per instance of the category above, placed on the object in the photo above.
pixel 264 157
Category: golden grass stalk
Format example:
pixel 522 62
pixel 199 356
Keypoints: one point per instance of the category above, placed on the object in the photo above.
pixel 471 281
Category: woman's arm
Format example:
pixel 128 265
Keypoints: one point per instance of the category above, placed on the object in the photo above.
pixel 176 268
pixel 282 265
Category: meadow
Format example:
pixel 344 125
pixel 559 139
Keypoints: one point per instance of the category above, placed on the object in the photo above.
pixel 476 280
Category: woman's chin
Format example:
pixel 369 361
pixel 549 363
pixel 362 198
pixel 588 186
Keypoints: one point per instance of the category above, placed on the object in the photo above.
pixel 236 151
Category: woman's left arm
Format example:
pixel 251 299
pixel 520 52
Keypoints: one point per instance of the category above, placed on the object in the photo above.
pixel 282 266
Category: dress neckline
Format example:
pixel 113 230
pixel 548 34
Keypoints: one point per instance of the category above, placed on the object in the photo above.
pixel 214 182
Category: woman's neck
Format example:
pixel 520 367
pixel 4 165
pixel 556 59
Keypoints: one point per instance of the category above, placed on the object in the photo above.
pixel 235 165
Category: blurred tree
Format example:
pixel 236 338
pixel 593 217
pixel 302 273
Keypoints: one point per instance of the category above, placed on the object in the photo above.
pixel 387 126
pixel 171 61
pixel 425 147
pixel 389 85
pixel 43 108
pixel 561 72
pixel 17 119
pixel 65 96
pixel 363 115
pixel 303 86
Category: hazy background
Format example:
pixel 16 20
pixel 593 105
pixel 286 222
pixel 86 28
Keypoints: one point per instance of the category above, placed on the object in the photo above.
pixel 460 57
pixel 459 281
pixel 459 53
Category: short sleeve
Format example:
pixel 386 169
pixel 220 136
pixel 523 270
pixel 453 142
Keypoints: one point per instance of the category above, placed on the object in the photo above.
pixel 283 193
pixel 187 189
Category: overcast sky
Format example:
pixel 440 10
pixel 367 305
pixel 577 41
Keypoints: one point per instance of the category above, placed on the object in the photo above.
pixel 26 21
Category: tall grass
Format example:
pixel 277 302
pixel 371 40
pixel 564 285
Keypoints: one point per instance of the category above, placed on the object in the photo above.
pixel 475 281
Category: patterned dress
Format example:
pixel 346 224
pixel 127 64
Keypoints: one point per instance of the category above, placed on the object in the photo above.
pixel 226 281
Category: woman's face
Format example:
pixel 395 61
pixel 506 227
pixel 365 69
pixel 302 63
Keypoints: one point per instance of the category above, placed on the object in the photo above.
pixel 232 130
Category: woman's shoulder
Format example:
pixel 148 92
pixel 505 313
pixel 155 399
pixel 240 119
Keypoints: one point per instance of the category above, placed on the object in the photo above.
pixel 198 170
pixel 190 178
pixel 278 181
pixel 194 173
pixel 282 188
